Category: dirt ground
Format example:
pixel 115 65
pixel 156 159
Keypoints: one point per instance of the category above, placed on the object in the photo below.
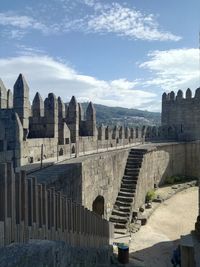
pixel 153 245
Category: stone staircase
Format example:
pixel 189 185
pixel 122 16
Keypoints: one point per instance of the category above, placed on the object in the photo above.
pixel 122 209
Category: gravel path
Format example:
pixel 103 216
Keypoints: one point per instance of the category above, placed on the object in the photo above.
pixel 154 243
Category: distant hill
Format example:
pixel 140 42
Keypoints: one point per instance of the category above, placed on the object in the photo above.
pixel 124 116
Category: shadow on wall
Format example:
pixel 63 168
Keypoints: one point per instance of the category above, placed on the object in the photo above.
pixel 158 255
pixel 98 205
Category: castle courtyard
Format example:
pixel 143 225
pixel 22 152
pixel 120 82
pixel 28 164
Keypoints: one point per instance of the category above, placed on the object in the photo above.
pixel 153 245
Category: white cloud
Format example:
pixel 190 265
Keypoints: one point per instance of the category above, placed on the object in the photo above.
pixel 45 74
pixel 98 17
pixel 128 22
pixel 18 25
pixel 173 69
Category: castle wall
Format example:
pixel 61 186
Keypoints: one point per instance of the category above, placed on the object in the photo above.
pixel 183 113
pixel 160 162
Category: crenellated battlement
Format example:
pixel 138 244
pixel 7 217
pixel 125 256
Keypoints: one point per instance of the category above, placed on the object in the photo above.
pixel 49 127
pixel 182 111
pixel 168 97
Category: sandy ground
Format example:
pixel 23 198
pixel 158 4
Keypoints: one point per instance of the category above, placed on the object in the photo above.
pixel 155 242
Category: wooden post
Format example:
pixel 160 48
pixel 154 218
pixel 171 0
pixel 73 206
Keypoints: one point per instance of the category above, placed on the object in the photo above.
pixel 57 151
pixel 42 152
pixel 3 204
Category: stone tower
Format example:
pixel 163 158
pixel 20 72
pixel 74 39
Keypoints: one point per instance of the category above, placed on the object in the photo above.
pixel 182 114
pixel 91 120
pixel 73 119
pixel 21 102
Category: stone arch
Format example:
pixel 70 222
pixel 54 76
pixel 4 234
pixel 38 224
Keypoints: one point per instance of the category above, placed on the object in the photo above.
pixel 98 205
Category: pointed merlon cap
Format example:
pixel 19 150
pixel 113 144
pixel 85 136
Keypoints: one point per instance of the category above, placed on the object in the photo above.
pixel 179 95
pixel 37 99
pixel 73 101
pixel 188 94
pixel 164 96
pixel 21 88
pixel 90 112
pixel 60 100
pixel 38 106
pixel 172 95
pixel 90 108
pixel 197 93
pixel 52 96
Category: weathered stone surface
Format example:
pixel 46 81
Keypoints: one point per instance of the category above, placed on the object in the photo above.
pixel 43 253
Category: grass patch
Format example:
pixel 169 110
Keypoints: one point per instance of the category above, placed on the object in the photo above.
pixel 150 196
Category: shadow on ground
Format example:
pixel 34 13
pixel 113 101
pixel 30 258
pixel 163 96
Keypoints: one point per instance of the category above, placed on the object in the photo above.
pixel 158 255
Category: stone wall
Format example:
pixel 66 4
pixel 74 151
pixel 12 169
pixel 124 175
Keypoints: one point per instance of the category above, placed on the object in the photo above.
pixel 101 176
pixel 85 178
pixel 158 163
pixel 42 253
pixel 183 113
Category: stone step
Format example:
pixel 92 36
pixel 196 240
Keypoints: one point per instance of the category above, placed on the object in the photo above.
pixel 126 194
pixel 122 209
pixel 128 190
pixel 129 182
pixel 118 219
pixel 120 231
pixel 130 171
pixel 120 204
pixel 135 158
pixel 133 165
pixel 132 168
pixel 121 213
pixel 138 150
pixel 125 199
pixel 119 226
pixel 130 177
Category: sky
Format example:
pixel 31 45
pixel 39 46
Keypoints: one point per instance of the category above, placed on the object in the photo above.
pixel 116 53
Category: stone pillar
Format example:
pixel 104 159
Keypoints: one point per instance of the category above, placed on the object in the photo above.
pixel 21 102
pixel 9 99
pixel 3 204
pixel 73 119
pixel 101 133
pixel 3 95
pixel 91 120
pixel 197 224
pixel 61 110
pixel 38 106
pixel 51 116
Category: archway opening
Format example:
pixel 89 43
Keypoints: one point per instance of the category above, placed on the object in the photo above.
pixel 98 205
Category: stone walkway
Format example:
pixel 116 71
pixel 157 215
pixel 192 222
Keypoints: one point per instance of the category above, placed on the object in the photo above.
pixel 154 243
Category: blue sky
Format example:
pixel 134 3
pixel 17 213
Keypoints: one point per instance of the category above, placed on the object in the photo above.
pixel 117 53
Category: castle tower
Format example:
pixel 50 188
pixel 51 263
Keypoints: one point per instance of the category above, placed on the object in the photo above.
pixel 91 120
pixel 38 106
pixel 3 95
pixel 51 116
pixel 21 102
pixel 73 119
